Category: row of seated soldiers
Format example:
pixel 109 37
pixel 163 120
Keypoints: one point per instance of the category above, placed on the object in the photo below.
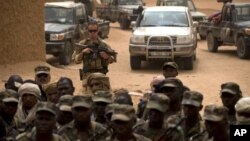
pixel 170 112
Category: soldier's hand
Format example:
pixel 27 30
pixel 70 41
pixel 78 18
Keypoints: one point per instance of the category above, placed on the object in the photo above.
pixel 87 51
pixel 104 55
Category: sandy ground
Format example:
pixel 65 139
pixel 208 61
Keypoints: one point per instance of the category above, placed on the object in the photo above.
pixel 210 71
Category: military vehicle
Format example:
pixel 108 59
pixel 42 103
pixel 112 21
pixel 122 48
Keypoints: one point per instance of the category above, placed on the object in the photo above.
pixel 164 33
pixel 64 22
pixel 122 11
pixel 233 29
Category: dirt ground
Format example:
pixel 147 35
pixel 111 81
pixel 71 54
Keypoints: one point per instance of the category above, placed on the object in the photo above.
pixel 210 70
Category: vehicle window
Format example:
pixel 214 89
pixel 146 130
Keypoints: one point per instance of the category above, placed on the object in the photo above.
pixel 58 15
pixel 243 13
pixel 130 2
pixel 174 3
pixel 166 18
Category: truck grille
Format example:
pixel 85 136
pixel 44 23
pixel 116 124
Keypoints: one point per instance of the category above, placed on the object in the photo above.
pixel 161 41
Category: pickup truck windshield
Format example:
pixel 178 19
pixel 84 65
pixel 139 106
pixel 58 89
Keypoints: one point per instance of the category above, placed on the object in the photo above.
pixel 188 3
pixel 58 15
pixel 130 2
pixel 165 18
pixel 243 13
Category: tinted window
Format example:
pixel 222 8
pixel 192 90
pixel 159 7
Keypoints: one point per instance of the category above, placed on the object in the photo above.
pixel 58 15
pixel 166 18
pixel 130 2
pixel 243 13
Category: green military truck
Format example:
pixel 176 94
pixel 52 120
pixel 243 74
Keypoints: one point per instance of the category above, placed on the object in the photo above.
pixel 122 11
pixel 232 29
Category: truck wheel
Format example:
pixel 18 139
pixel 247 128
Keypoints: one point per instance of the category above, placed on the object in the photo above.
pixel 124 23
pixel 66 56
pixel 243 51
pixel 212 43
pixel 135 62
pixel 188 63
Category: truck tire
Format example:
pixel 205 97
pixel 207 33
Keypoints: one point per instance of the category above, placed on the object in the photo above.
pixel 135 62
pixel 243 51
pixel 65 57
pixel 212 43
pixel 188 63
pixel 124 23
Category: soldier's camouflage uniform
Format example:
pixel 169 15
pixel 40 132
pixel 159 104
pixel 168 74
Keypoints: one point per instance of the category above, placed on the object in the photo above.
pixel 92 65
pixel 70 133
pixel 31 136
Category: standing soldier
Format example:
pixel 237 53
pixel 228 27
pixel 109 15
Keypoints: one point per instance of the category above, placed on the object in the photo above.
pixel 42 75
pixel 44 122
pixel 230 94
pixel 170 69
pixel 242 111
pixel 64 115
pixel 95 54
pixel 42 78
pixel 82 128
pixel 157 107
pixel 10 102
pixel 216 122
pixel 191 106
pixel 123 120
pixel 101 100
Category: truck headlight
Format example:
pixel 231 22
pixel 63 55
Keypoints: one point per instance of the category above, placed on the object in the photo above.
pixel 247 31
pixel 57 37
pixel 138 39
pixel 184 39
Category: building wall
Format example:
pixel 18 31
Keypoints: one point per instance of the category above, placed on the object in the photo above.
pixel 21 31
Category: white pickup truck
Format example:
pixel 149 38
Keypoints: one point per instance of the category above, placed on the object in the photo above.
pixel 166 33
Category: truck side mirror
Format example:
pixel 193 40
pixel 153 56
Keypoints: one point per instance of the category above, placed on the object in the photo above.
pixel 81 20
pixel 144 4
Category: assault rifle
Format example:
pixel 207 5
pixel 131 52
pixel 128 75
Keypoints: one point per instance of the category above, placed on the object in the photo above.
pixel 96 49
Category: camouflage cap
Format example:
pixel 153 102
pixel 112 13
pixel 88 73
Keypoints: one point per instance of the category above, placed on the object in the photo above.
pixel 47 106
pixel 82 101
pixel 42 69
pixel 215 113
pixel 192 98
pixel 231 88
pixel 172 82
pixel 110 108
pixel 170 64
pixel 158 101
pixel 65 103
pixel 243 105
pixel 123 112
pixel 9 96
pixel 102 96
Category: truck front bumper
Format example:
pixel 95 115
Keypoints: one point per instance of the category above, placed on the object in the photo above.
pixel 54 47
pixel 159 53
